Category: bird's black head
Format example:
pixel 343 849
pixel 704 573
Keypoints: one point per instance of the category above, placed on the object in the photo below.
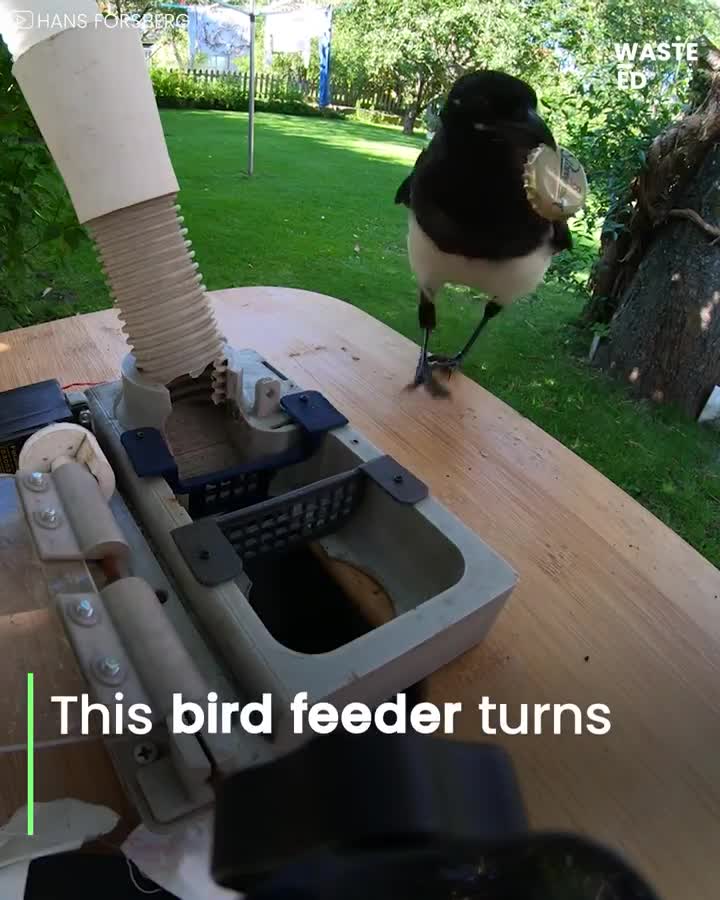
pixel 498 105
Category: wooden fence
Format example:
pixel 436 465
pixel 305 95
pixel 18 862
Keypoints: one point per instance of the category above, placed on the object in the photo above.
pixel 274 87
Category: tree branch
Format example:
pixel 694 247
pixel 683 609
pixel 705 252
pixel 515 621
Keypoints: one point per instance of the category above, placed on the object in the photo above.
pixel 692 216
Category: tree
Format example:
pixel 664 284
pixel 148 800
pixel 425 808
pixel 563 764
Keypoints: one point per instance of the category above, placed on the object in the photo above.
pixel 656 286
pixel 419 47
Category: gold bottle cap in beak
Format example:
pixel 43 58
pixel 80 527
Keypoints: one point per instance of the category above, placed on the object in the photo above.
pixel 555 183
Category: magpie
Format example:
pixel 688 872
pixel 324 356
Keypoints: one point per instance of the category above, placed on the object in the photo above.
pixel 470 221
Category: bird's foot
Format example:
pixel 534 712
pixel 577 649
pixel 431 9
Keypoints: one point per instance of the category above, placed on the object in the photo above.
pixel 447 364
pixel 424 378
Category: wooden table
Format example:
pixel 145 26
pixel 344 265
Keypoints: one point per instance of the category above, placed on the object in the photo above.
pixel 612 607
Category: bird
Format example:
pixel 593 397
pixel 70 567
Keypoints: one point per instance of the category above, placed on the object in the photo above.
pixel 470 221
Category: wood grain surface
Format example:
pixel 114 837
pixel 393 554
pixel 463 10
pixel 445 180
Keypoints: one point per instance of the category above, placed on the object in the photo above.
pixel 611 608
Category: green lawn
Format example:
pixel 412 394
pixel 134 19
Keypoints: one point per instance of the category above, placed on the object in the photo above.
pixel 319 215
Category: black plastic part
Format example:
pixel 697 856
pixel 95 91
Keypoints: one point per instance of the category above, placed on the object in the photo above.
pixel 80 875
pixel 207 552
pixel 402 485
pixel 312 412
pixel 25 410
pixel 149 454
pixel 369 792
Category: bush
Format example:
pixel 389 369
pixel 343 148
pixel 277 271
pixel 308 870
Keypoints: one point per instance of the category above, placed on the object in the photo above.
pixel 177 90
pixel 375 116
pixel 38 226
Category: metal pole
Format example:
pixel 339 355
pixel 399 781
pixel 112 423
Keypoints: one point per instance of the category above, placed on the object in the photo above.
pixel 251 95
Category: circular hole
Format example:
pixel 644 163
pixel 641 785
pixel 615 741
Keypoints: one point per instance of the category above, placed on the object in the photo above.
pixel 354 441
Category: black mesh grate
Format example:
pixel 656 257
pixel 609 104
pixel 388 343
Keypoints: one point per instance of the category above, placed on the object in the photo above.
pixel 218 497
pixel 276 525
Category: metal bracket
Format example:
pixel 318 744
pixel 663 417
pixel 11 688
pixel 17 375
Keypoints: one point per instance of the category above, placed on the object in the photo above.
pixel 401 484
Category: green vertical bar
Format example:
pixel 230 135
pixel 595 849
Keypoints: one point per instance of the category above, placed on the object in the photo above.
pixel 30 754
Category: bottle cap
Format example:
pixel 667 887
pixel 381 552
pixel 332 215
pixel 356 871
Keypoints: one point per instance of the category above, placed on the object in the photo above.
pixel 555 182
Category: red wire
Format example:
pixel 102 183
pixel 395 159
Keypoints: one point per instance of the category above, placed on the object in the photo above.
pixel 77 384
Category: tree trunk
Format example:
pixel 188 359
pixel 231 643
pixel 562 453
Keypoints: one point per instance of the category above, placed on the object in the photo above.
pixel 664 337
pixel 411 116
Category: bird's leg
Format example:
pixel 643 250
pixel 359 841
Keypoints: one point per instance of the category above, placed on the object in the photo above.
pixel 428 322
pixel 451 363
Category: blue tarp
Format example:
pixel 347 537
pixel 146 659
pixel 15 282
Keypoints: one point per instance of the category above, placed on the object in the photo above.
pixel 324 93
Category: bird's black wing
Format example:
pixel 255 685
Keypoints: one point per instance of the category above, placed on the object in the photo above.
pixel 561 237
pixel 403 192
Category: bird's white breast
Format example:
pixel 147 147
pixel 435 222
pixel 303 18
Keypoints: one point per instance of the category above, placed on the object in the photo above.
pixel 504 280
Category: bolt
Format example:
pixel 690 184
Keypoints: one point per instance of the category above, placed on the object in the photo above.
pixel 36 481
pixel 398 479
pixel 85 418
pixel 110 666
pixel 85 609
pixel 109 670
pixel 48 518
pixel 145 753
pixel 83 612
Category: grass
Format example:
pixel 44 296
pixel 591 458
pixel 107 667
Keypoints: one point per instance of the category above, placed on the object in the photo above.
pixel 319 215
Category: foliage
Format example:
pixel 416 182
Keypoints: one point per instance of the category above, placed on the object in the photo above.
pixel 178 90
pixel 38 226
pixel 418 47
pixel 374 116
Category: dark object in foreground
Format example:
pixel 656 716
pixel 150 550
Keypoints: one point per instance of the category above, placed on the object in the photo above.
pixel 399 817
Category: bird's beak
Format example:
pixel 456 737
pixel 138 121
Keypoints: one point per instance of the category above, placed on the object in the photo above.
pixel 533 130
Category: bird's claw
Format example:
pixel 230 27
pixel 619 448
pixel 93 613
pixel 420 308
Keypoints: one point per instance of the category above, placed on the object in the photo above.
pixel 424 377
pixel 448 364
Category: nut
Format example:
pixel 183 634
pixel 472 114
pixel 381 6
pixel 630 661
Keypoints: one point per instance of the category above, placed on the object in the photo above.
pixel 48 518
pixel 36 481
pixel 83 612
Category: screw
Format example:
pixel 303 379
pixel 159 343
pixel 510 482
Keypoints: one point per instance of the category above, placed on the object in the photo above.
pixel 85 418
pixel 145 753
pixel 303 398
pixel 398 479
pixel 48 518
pixel 36 481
